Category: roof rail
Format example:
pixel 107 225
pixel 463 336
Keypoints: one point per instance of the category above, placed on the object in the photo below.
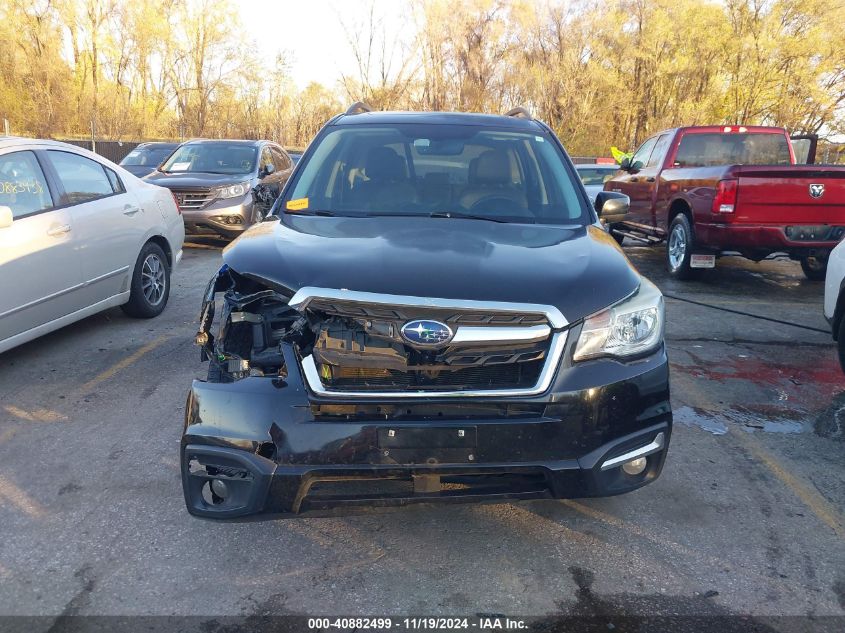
pixel 520 113
pixel 358 107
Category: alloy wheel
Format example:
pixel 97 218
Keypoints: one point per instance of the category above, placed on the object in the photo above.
pixel 153 280
pixel 677 247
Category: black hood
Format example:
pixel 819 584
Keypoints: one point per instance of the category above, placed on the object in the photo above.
pixel 579 270
pixel 196 180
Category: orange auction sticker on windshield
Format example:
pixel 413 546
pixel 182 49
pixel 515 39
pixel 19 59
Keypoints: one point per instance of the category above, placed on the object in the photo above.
pixel 297 205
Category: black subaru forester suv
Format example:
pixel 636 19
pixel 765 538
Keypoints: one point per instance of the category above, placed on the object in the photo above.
pixel 432 313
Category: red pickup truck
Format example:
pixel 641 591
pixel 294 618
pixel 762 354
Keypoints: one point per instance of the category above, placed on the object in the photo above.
pixel 709 191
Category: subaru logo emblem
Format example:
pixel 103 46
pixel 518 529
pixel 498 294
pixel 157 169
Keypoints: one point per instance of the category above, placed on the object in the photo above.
pixel 817 191
pixel 427 333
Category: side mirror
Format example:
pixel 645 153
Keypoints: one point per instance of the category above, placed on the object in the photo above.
pixel 612 206
pixel 636 166
pixel 268 169
pixel 625 164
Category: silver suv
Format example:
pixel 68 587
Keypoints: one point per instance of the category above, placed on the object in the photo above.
pixel 213 182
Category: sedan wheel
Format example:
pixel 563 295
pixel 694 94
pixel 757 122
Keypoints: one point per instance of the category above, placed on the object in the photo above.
pixel 153 280
pixel 150 286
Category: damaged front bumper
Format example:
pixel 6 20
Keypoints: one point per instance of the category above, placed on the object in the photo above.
pixel 267 446
pixel 266 436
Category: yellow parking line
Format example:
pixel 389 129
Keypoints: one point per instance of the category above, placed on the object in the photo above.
pixel 36 415
pixel 123 364
pixel 813 500
pixel 823 510
pixel 18 498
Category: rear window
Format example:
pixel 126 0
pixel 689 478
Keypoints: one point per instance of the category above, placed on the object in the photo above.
pixel 704 150
pixel 413 169
pixel 83 179
pixel 146 156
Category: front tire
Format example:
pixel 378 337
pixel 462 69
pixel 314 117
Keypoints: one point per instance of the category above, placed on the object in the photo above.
pixel 815 268
pixel 679 246
pixel 150 288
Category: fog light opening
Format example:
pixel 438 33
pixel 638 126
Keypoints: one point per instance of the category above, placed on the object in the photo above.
pixel 635 466
pixel 214 492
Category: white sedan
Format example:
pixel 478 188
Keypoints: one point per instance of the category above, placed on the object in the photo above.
pixel 594 176
pixel 79 234
pixel 834 297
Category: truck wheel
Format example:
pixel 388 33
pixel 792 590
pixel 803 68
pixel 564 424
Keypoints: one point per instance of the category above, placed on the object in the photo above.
pixel 150 287
pixel 679 246
pixel 814 268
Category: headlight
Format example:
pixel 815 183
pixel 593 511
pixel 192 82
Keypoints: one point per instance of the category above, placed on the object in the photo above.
pixel 233 191
pixel 634 326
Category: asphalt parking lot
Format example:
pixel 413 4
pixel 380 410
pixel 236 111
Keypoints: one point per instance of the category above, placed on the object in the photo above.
pixel 747 518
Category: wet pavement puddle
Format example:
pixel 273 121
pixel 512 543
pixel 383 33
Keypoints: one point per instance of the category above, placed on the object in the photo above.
pixel 829 423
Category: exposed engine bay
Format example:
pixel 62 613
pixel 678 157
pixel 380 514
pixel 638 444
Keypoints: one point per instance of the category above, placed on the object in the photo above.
pixel 354 346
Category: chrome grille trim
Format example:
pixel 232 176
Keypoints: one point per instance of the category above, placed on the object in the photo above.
pixel 304 295
pixel 558 344
pixel 191 200
pixel 472 334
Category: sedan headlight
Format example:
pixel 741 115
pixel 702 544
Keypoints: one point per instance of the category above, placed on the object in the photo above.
pixel 632 327
pixel 233 191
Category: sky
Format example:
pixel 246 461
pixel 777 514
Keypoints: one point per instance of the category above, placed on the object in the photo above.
pixel 313 31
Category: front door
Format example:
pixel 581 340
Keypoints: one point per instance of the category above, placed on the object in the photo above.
pixel 108 221
pixel 40 272
pixel 643 183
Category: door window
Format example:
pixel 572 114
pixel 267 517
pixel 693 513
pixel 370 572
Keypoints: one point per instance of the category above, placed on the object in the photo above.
pixel 644 153
pixel 115 181
pixel 23 187
pixel 266 159
pixel 659 151
pixel 281 159
pixel 83 179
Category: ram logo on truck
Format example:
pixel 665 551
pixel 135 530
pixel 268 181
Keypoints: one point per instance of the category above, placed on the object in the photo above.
pixel 817 190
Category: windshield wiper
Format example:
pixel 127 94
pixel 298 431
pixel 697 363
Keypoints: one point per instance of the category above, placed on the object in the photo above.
pixel 467 216
pixel 327 214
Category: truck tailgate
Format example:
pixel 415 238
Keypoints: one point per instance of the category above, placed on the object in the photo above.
pixel 782 195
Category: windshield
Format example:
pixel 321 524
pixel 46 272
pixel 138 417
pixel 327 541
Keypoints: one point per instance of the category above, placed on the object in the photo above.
pixel 441 170
pixel 595 176
pixel 212 158
pixel 704 150
pixel 146 156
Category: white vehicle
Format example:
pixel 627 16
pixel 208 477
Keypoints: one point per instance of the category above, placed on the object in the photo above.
pixel 79 234
pixel 594 176
pixel 834 297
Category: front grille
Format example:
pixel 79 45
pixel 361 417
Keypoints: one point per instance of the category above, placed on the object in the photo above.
pixel 513 375
pixel 193 199
pixel 359 349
